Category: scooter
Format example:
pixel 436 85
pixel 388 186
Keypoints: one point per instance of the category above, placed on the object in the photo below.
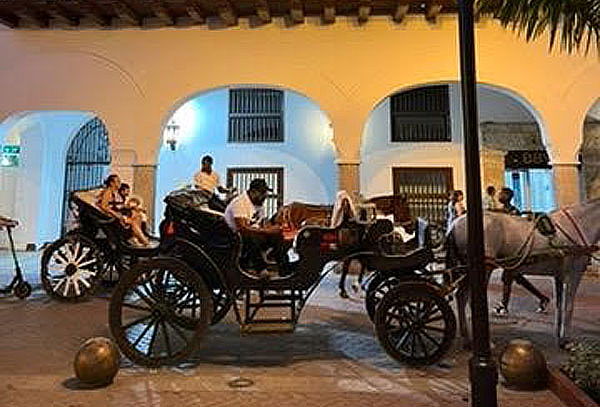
pixel 19 287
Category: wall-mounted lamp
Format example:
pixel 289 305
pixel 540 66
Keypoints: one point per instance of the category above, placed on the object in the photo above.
pixel 172 130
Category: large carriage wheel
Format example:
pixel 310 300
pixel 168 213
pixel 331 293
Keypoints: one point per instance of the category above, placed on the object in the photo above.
pixel 159 311
pixel 376 290
pixel 414 324
pixel 70 267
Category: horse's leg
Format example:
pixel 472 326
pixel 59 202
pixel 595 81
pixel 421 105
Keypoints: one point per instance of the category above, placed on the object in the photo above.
pixel 462 297
pixel 559 286
pixel 525 283
pixel 570 291
pixel 359 279
pixel 342 285
pixel 507 280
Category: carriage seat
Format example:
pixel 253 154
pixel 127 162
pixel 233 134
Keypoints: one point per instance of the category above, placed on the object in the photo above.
pixel 89 211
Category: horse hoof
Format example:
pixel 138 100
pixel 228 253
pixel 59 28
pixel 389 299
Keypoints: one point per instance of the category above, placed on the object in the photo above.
pixel 344 294
pixel 355 288
pixel 564 343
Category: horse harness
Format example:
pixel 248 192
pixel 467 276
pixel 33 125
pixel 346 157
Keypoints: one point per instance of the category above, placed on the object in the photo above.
pixel 548 228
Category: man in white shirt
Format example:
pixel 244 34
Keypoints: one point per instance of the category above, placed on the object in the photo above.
pixel 207 180
pixel 245 215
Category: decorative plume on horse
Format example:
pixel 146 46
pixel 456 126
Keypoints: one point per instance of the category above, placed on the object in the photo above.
pixel 559 245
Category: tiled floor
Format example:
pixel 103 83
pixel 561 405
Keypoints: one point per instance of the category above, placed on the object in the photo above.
pixel 333 358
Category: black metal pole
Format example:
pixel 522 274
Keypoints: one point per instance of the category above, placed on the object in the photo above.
pixel 482 369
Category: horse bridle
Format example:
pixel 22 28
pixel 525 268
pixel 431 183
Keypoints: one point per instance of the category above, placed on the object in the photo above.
pixel 584 245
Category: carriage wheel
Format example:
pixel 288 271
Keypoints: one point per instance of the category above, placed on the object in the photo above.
pixel 414 324
pixel 114 267
pixel 70 267
pixel 376 290
pixel 159 311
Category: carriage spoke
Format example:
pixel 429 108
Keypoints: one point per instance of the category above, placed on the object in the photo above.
pixel 59 258
pixel 136 307
pixel 431 338
pixel 67 284
pixel 434 328
pixel 179 332
pixel 136 321
pixel 147 300
pixel 76 286
pixel 139 338
pixel 85 263
pixel 153 337
pixel 423 346
pixel 166 334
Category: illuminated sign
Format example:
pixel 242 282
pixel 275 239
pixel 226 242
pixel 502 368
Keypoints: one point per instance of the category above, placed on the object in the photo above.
pixel 10 156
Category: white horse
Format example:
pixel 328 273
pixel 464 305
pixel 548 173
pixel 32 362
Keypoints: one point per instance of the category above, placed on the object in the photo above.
pixel 515 244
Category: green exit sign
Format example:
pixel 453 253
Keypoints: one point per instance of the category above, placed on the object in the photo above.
pixel 11 149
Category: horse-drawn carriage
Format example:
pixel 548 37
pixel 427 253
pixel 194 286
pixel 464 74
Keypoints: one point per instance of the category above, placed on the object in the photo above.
pixel 161 307
pixel 96 250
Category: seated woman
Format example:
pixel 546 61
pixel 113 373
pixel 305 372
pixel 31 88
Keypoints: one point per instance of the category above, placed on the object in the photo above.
pixel 107 199
pixel 343 210
pixel 136 218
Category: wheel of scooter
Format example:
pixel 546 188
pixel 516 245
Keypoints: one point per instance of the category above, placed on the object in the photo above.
pixel 71 267
pixel 22 290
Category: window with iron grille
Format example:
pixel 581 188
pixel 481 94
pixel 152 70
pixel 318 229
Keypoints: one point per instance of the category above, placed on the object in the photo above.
pixel 421 114
pixel 255 116
pixel 241 178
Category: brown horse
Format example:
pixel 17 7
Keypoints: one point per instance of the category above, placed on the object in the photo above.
pixel 296 214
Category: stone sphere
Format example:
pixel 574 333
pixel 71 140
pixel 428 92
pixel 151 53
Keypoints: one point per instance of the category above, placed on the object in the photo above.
pixel 523 366
pixel 97 361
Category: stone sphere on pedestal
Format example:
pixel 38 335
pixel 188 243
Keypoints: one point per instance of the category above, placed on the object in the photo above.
pixel 523 366
pixel 97 362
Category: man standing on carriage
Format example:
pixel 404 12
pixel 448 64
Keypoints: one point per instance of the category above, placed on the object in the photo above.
pixel 245 215
pixel 207 180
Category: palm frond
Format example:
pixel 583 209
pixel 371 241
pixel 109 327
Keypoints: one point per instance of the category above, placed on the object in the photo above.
pixel 576 23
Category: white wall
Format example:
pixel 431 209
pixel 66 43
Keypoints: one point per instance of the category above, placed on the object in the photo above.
pixel 33 192
pixel 307 153
pixel 379 155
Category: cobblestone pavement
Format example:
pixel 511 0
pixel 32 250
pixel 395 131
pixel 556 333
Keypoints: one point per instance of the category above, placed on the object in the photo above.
pixel 333 358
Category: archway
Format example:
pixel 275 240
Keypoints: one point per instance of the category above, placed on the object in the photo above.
pixel 88 160
pixel 33 181
pixel 251 131
pixel 412 144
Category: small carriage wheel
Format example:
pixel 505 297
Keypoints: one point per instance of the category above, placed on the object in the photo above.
pixel 377 288
pixel 70 267
pixel 114 267
pixel 22 290
pixel 159 311
pixel 415 324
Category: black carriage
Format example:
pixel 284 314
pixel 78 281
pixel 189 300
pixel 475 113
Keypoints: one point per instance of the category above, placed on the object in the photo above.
pixel 94 251
pixel 161 307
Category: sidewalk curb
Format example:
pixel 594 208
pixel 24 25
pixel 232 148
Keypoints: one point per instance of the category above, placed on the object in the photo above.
pixel 567 391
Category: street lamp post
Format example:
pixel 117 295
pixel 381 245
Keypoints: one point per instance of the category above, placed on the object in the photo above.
pixel 482 369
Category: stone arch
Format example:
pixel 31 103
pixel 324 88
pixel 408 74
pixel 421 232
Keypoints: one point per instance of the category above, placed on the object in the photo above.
pixel 307 154
pixel 44 138
pixel 378 158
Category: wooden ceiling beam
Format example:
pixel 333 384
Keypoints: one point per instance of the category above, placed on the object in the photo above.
pixel 30 17
pixel 364 11
pixel 328 14
pixel 92 13
pixel 401 12
pixel 58 15
pixel 263 12
pixel 297 11
pixel 125 13
pixel 227 13
pixel 9 21
pixel 195 12
pixel 160 11
pixel 432 12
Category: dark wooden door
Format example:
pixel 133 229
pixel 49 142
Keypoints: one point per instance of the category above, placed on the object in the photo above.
pixel 426 190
